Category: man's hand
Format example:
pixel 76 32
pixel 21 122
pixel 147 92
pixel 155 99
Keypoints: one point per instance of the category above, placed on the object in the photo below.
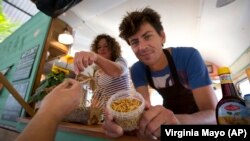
pixel 153 118
pixel 111 128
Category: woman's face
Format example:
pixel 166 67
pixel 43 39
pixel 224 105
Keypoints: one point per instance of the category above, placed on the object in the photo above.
pixel 103 49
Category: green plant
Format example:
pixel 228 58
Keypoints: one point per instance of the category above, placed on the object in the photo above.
pixel 6 27
pixel 51 81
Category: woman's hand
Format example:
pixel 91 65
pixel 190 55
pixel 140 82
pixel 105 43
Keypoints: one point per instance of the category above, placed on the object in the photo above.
pixel 83 59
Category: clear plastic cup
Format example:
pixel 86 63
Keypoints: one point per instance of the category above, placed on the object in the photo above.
pixel 126 106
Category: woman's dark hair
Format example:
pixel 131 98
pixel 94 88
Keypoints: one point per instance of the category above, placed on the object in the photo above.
pixel 113 45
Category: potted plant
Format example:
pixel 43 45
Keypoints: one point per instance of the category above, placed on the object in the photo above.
pixel 51 81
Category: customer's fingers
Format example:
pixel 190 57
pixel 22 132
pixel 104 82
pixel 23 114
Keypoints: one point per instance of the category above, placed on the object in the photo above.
pixel 64 84
pixel 73 84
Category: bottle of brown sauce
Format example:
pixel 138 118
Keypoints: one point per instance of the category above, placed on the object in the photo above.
pixel 230 108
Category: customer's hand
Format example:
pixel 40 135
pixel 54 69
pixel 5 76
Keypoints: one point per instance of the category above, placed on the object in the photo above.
pixel 62 100
pixel 83 59
pixel 111 128
pixel 153 118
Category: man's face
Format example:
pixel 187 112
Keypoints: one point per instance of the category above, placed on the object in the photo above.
pixel 147 44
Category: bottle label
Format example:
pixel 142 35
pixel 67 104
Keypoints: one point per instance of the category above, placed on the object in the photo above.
pixel 225 78
pixel 231 113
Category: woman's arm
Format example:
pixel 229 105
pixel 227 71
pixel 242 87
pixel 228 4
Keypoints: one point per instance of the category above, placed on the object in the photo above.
pixel 83 59
pixel 114 69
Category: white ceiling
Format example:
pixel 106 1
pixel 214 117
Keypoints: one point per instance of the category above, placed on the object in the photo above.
pixel 220 34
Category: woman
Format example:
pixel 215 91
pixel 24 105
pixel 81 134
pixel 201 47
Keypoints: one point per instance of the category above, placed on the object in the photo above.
pixel 112 73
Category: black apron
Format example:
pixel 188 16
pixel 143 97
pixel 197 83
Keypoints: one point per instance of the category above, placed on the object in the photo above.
pixel 176 97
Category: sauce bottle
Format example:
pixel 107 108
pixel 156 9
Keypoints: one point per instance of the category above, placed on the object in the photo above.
pixel 230 108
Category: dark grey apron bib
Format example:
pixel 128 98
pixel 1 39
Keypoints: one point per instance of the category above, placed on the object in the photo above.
pixel 176 97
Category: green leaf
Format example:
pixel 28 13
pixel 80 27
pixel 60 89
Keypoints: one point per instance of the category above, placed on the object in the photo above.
pixel 52 79
pixel 6 27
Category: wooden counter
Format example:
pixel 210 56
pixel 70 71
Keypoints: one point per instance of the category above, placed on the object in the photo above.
pixel 95 131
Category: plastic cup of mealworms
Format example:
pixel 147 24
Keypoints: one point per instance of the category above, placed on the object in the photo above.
pixel 126 106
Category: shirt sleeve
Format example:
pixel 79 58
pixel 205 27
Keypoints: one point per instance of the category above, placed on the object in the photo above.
pixel 197 72
pixel 138 75
pixel 123 64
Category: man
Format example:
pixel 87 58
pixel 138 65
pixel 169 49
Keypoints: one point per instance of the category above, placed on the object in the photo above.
pixel 178 74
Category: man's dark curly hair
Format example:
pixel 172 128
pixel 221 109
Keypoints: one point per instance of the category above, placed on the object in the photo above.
pixel 133 20
pixel 113 45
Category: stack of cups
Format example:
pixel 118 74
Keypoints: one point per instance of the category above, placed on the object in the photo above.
pixel 126 107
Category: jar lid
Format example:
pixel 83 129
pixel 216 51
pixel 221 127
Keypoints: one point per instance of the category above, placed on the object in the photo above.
pixel 223 70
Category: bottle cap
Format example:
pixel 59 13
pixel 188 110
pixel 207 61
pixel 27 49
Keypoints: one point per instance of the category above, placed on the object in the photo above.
pixel 223 70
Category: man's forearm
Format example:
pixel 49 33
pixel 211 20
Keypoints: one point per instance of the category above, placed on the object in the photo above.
pixel 202 117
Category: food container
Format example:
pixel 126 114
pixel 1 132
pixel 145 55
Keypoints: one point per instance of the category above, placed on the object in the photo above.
pixel 126 106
